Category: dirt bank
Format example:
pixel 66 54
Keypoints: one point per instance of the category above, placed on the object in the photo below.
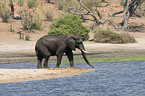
pixel 14 75
pixel 22 54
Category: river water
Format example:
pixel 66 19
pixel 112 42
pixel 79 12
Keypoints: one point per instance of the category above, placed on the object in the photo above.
pixel 109 79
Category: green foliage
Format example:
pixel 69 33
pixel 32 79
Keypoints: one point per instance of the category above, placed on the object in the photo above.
pixel 69 24
pixel 114 59
pixel 20 2
pixel 37 23
pixel 32 3
pixel 107 36
pixel 48 13
pixel 11 28
pixel 5 12
pixel 65 4
pixel 88 4
pixel 31 20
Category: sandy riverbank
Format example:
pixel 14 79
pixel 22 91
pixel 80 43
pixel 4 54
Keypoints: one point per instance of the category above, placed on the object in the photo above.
pixel 15 75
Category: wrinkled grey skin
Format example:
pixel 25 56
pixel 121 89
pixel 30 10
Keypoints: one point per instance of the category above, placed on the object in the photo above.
pixel 56 46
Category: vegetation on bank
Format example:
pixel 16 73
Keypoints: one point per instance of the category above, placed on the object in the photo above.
pixel 106 59
pixel 108 36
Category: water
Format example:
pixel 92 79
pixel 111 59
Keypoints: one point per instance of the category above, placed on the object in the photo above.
pixel 109 79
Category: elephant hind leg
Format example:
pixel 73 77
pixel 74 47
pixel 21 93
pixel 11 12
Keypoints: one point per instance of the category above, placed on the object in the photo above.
pixel 39 65
pixel 46 62
pixel 44 53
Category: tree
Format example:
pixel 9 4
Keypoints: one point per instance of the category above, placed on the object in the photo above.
pixel 12 8
pixel 89 13
pixel 128 11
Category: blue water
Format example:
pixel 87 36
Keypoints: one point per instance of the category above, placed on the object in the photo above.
pixel 109 79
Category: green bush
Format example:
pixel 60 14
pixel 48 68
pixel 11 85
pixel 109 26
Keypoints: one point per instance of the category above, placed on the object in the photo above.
pixel 65 4
pixel 48 13
pixel 107 36
pixel 69 24
pixel 5 12
pixel 31 20
pixel 32 3
pixel 20 2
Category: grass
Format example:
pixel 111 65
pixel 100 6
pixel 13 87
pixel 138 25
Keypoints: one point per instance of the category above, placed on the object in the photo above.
pixel 115 59
pixel 106 59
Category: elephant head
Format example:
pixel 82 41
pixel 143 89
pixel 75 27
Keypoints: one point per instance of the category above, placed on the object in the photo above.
pixel 74 42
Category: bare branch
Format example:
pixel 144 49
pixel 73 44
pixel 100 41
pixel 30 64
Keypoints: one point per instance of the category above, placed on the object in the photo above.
pixel 115 13
pixel 70 8
pixel 110 23
pixel 98 13
pixel 98 22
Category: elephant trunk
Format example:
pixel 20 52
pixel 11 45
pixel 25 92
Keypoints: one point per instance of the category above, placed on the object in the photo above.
pixel 84 55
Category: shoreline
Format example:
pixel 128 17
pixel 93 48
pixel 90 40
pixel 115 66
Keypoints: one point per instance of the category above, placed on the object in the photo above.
pixel 19 75
pixel 21 54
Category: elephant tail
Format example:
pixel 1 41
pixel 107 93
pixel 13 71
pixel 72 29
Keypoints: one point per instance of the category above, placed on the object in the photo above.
pixel 36 50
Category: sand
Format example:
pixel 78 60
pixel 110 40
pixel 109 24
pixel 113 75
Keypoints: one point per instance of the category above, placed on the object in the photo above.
pixel 15 75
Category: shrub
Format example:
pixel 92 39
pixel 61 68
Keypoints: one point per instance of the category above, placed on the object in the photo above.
pixel 69 24
pixel 32 3
pixel 48 13
pixel 48 1
pixel 65 4
pixel 30 20
pixel 107 36
pixel 37 23
pixel 20 2
pixel 5 12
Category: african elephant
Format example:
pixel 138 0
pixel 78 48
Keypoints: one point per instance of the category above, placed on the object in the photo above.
pixel 57 45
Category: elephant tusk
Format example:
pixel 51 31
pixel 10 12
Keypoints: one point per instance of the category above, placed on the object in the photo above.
pixel 85 51
pixel 84 56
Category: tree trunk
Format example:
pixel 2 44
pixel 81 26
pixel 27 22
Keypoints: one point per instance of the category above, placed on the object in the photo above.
pixel 126 16
pixel 12 8
pixel 128 11
pixel 48 1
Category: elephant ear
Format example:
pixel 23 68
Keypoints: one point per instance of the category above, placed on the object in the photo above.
pixel 70 42
pixel 61 47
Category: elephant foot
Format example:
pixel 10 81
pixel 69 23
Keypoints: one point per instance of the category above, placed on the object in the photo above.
pixel 56 66
pixel 47 67
pixel 39 67
pixel 73 67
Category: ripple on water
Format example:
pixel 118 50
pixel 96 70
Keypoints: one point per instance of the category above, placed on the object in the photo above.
pixel 109 79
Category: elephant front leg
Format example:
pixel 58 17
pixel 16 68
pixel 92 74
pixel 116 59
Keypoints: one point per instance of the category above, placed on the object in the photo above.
pixel 59 58
pixel 69 54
